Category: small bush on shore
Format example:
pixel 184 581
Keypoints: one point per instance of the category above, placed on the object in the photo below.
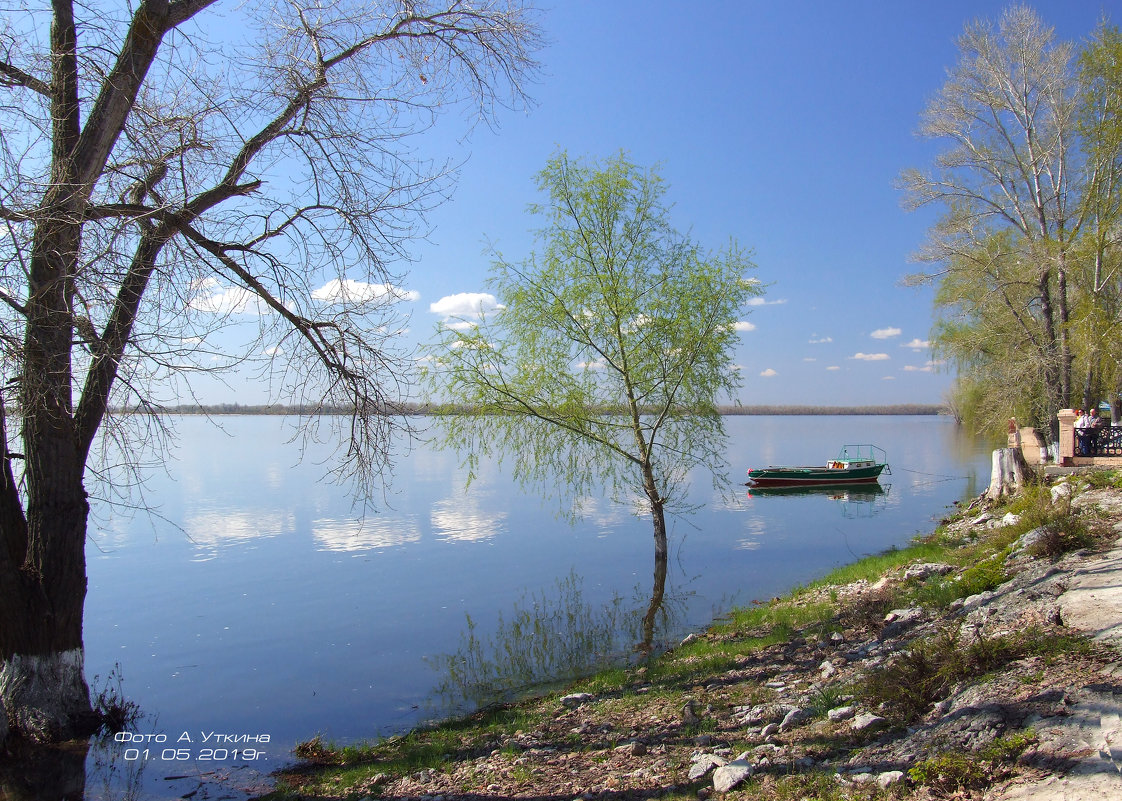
pixel 956 772
pixel 907 686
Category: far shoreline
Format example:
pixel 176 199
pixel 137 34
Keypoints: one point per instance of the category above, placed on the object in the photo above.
pixel 433 410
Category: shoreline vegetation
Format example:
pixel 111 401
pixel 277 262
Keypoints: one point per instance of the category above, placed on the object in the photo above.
pixel 939 670
pixel 433 409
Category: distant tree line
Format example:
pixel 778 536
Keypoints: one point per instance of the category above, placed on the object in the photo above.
pixel 452 408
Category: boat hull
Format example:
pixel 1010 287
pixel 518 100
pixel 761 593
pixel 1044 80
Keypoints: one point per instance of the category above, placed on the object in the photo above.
pixel 812 476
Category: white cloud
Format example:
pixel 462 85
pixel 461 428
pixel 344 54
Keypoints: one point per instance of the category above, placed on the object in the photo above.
pixel 467 304
pixel 348 291
pixel 809 359
pixel 232 300
pixel 744 325
pixel 888 378
pixel 768 373
pixel 765 302
pixel 885 333
pixel 927 368
pixel 817 340
pixel 916 344
pixel 460 325
pixel 274 351
pixel 833 367
pixel 870 357
pixel 598 364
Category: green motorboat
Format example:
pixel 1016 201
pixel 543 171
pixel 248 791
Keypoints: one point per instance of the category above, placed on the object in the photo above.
pixel 855 464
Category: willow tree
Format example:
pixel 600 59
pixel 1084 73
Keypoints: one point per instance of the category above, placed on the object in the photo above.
pixel 604 364
pixel 164 170
pixel 1007 115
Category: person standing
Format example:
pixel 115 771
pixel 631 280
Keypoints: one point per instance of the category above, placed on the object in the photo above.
pixel 1084 433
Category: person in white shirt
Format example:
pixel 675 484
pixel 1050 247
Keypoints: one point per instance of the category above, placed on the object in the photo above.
pixel 1084 431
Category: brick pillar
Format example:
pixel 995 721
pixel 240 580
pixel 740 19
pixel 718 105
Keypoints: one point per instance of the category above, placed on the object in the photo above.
pixel 1067 418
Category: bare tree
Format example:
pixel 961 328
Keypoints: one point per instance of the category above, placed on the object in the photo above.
pixel 1007 112
pixel 165 172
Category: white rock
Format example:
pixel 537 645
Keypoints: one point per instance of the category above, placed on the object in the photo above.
pixel 841 713
pixel 576 699
pixel 1062 490
pixel 729 776
pixel 890 777
pixel 1028 540
pixel 794 718
pixel 705 763
pixel 869 722
pixel 924 570
pixel 827 669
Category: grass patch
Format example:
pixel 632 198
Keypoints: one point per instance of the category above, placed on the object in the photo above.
pixel 873 567
pixel 955 772
pixel 1104 479
pixel 819 786
pixel 980 577
pixel 826 698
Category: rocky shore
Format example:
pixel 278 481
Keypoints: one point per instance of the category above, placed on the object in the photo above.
pixel 992 672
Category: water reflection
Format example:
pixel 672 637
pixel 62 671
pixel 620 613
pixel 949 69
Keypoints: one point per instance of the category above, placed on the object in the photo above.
pixel 852 500
pixel 38 773
pixel 212 530
pixel 465 520
pixel 70 771
pixel 348 535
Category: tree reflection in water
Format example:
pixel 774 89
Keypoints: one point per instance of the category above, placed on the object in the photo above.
pixel 553 638
pixel 30 772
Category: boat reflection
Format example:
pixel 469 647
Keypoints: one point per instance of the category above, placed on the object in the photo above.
pixel 854 500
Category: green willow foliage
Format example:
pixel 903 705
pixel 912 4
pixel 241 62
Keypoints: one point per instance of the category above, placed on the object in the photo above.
pixel 613 343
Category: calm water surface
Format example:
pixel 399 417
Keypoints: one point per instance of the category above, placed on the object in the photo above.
pixel 260 601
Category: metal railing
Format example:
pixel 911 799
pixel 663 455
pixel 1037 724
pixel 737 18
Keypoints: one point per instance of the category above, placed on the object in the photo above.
pixel 1104 441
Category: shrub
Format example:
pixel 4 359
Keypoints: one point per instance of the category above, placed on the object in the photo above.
pixel 955 772
pixel 1063 527
pixel 912 681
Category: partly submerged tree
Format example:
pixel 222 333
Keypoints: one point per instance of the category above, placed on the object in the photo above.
pixel 603 364
pixel 162 168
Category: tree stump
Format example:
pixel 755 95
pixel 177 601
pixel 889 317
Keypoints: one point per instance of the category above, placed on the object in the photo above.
pixel 1008 473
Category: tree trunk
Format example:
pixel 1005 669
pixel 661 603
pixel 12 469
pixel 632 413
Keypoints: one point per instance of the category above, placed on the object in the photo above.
pixel 42 556
pixel 658 591
pixel 42 681
pixel 1008 474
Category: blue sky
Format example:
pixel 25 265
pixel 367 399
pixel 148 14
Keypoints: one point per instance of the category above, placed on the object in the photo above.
pixel 782 125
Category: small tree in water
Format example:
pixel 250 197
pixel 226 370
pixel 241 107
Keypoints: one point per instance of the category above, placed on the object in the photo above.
pixel 604 360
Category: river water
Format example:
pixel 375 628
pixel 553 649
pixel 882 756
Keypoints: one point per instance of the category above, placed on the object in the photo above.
pixel 259 607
